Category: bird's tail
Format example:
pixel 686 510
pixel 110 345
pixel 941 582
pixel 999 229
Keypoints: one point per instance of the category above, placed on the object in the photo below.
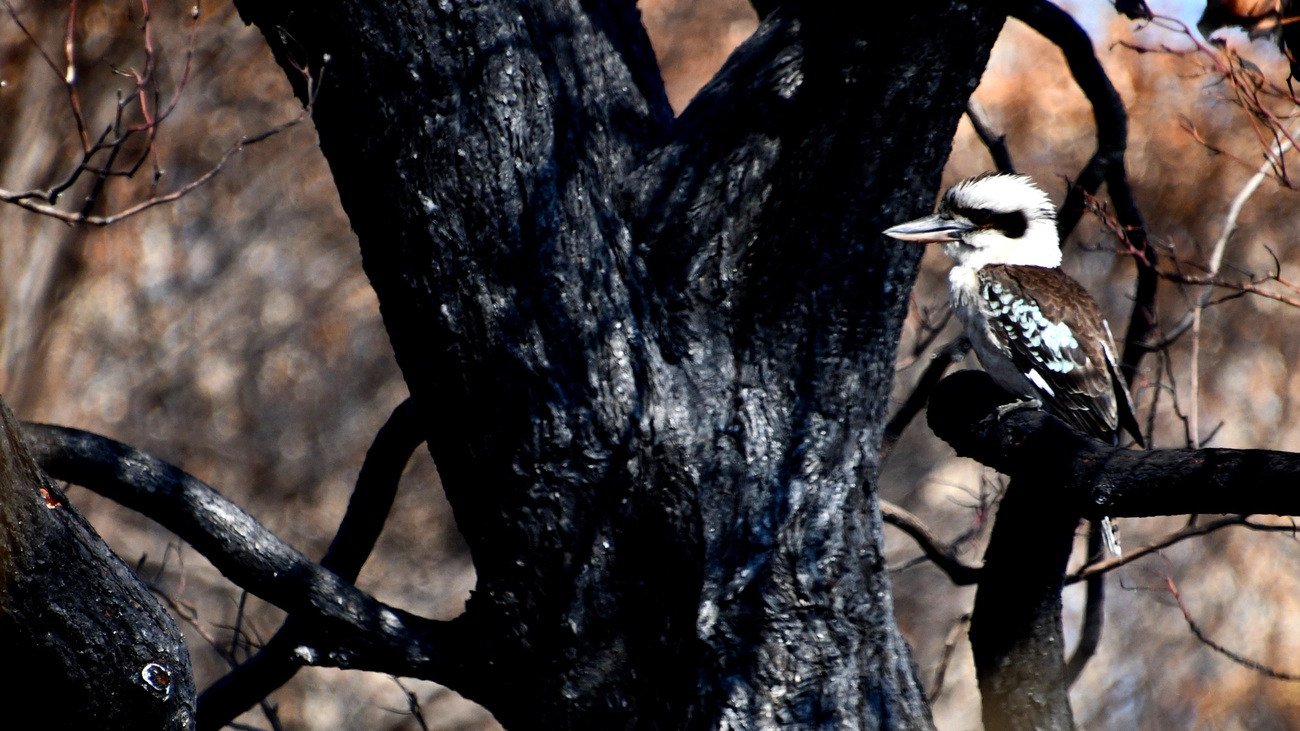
pixel 1110 537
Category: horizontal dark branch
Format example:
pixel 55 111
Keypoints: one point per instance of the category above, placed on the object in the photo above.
pixel 352 629
pixel 1105 480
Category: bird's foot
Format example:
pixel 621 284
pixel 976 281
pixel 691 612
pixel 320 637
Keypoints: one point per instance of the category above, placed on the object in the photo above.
pixel 1005 409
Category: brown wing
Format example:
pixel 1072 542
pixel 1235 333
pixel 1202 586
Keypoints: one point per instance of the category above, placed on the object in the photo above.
pixel 1054 334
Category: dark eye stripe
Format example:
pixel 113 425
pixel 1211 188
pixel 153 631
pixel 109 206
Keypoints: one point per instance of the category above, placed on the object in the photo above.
pixel 1012 224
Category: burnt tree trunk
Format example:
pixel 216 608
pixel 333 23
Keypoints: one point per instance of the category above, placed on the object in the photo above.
pixel 85 643
pixel 653 356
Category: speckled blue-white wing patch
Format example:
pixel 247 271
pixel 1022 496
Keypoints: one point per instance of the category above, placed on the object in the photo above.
pixel 1052 331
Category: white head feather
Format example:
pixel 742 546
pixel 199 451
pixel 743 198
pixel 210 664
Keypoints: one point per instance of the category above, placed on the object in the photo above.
pixel 994 218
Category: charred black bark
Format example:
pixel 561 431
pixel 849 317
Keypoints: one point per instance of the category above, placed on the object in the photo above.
pixel 372 500
pixel 349 628
pixel 668 345
pixel 1095 478
pixel 1057 477
pixel 1015 630
pixel 85 643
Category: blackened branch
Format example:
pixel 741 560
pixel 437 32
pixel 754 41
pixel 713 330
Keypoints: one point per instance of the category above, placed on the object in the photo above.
pixel 376 487
pixel 352 629
pixel 1142 321
pixel 372 500
pixel 1094 615
pixel 954 351
pixel 995 142
pixel 1106 164
pixel 1015 633
pixel 943 556
pixel 1060 28
pixel 1093 478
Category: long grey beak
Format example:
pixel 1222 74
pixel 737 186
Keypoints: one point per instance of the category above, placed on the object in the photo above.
pixel 929 230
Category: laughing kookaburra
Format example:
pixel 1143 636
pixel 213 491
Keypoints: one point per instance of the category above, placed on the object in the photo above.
pixel 1036 331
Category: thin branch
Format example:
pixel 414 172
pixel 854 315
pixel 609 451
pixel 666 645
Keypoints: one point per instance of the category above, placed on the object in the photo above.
pixel 1060 28
pixel 944 357
pixel 1249 286
pixel 1238 658
pixel 949 645
pixel 115 137
pixel 1212 270
pixel 70 74
pixel 356 630
pixel 994 142
pixel 1246 286
pixel 928 332
pixel 1094 614
pixel 412 705
pixel 1248 89
pixel 25 199
pixel 943 556
pixel 371 502
pixel 1189 531
pixel 49 60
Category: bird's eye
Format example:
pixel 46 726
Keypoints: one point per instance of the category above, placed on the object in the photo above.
pixel 979 216
pixel 1012 224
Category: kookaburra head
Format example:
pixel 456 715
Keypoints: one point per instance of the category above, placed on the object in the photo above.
pixel 994 218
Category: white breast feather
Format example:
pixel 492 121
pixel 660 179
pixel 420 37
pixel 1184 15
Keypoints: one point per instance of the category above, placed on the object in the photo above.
pixel 973 309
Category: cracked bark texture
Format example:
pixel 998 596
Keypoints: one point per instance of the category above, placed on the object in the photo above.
pixel 87 644
pixel 655 355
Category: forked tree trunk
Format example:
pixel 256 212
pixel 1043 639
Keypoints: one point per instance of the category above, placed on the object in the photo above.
pixel 653 355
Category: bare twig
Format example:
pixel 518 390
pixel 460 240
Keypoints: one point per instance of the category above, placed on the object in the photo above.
pixel 928 330
pixel 1212 270
pixel 943 556
pixel 939 362
pixel 1247 89
pixel 1242 286
pixel 412 705
pixel 113 141
pixel 49 60
pixel 949 645
pixel 1238 658
pixel 1189 531
pixel 993 141
pixel 25 199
